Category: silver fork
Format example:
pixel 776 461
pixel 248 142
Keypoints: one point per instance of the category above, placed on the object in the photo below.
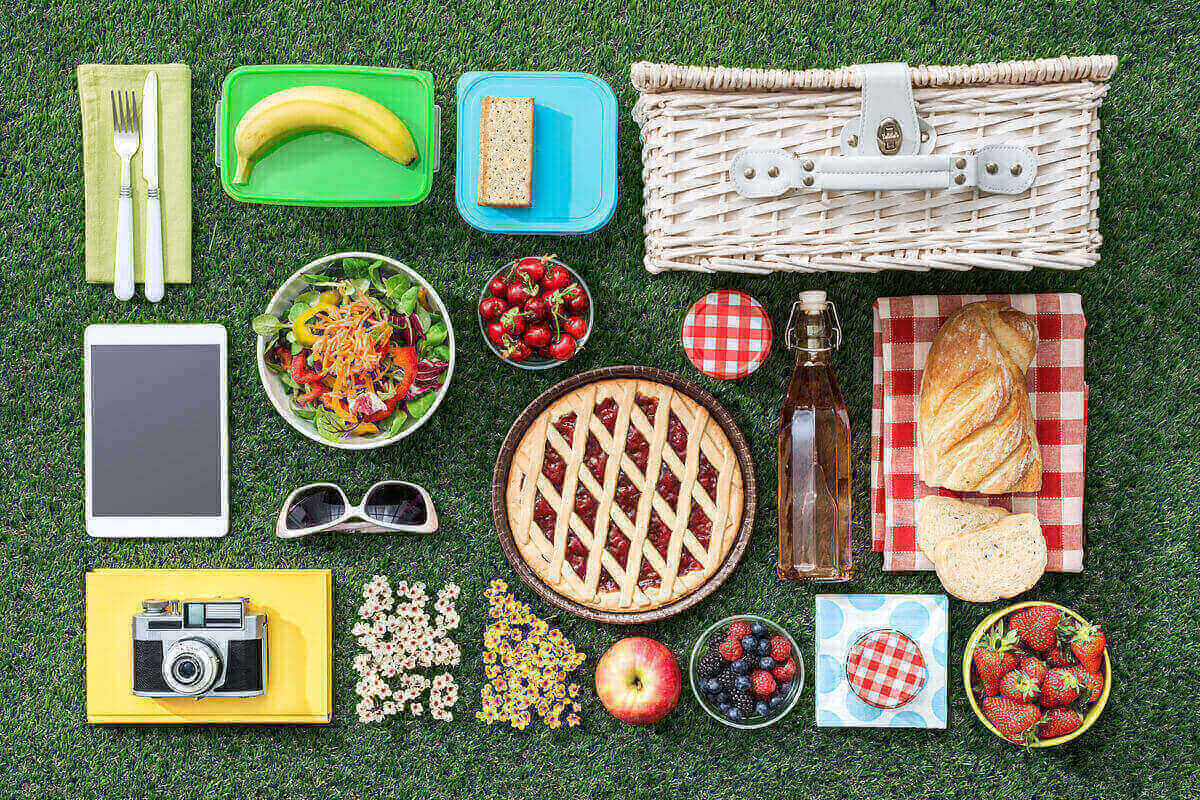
pixel 125 142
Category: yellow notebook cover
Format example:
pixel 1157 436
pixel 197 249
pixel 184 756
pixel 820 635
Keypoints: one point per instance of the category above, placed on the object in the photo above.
pixel 298 605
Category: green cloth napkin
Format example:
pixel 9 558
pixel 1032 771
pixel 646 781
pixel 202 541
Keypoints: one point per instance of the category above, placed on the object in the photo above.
pixel 102 169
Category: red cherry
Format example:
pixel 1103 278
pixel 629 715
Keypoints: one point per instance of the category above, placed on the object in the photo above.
pixel 538 335
pixel 517 351
pixel 536 309
pixel 554 302
pixel 517 292
pixel 513 322
pixel 497 286
pixel 556 277
pixel 491 308
pixel 532 267
pixel 578 302
pixel 544 352
pixel 495 333
pixel 562 347
pixel 575 326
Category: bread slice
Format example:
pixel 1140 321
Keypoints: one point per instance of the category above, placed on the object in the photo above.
pixel 998 561
pixel 941 518
pixel 506 152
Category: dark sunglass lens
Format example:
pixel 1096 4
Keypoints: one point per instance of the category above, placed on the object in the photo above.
pixel 317 506
pixel 397 504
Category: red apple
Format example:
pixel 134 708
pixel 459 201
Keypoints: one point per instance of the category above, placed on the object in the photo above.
pixel 638 680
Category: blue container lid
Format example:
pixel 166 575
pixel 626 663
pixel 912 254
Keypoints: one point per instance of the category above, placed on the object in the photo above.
pixel 574 152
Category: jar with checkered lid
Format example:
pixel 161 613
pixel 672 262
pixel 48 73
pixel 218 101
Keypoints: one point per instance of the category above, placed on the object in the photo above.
pixel 814 451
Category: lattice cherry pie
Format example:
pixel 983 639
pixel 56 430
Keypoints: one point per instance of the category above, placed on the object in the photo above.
pixel 624 495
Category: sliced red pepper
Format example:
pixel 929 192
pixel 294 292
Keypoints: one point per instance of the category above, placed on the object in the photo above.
pixel 301 373
pixel 283 356
pixel 406 359
pixel 312 394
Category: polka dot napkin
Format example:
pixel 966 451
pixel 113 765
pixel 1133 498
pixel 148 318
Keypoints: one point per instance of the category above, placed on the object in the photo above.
pixel 881 660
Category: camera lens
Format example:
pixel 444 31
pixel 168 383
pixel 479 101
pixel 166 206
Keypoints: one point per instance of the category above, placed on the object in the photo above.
pixel 316 506
pixel 191 667
pixel 186 670
pixel 397 504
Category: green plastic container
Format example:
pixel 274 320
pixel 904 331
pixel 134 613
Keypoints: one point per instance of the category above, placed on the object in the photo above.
pixel 322 168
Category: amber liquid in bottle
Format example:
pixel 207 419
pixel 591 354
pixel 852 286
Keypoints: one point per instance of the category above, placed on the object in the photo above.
pixel 814 453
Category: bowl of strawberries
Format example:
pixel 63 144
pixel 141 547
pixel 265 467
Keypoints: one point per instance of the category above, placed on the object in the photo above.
pixel 1037 674
pixel 535 312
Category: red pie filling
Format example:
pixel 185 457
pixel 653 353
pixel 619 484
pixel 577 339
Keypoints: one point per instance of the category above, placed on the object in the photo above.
pixel 648 405
pixel 543 515
pixel 617 545
pixel 595 458
pixel 700 526
pixel 647 577
pixel 677 437
pixel 565 425
pixel 707 476
pixel 668 486
pixel 627 496
pixel 585 507
pixel 577 555
pixel 606 410
pixel 553 467
pixel 638 448
pixel 659 534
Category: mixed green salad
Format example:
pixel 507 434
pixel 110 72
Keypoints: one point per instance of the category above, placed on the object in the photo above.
pixel 361 353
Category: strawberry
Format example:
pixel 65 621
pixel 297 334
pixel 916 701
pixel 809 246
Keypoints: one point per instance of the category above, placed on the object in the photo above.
pixel 1014 720
pixel 730 649
pixel 780 649
pixel 762 683
pixel 1091 682
pixel 993 659
pixel 1058 657
pixel 739 628
pixel 1059 688
pixel 785 671
pixel 1087 643
pixel 1036 626
pixel 1058 722
pixel 1018 686
pixel 1034 667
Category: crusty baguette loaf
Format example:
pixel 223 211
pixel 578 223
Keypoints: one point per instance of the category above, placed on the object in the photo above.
pixel 506 151
pixel 998 561
pixel 941 518
pixel 975 428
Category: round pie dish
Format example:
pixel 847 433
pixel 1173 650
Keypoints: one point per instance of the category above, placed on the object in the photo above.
pixel 981 629
pixel 570 499
pixel 535 361
pixel 278 306
pixel 706 642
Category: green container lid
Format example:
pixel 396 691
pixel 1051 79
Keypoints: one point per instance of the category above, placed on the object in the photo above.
pixel 323 168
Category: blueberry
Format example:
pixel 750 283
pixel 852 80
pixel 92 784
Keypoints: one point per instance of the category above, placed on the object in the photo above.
pixel 723 698
pixel 723 707
pixel 741 666
pixel 764 646
pixel 785 688
pixel 712 686
pixel 749 643
pixel 733 714
pixel 761 708
pixel 757 628
pixel 742 682
pixel 767 663
pixel 777 700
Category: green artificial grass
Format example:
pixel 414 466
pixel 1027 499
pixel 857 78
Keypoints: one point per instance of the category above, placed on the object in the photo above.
pixel 1143 368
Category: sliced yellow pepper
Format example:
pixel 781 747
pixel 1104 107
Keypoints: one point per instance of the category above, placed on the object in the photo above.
pixel 337 406
pixel 364 428
pixel 300 330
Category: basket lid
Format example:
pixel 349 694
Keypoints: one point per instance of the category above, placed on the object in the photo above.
pixel 727 334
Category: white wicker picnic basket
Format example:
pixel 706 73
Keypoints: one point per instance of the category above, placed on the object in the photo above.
pixel 871 167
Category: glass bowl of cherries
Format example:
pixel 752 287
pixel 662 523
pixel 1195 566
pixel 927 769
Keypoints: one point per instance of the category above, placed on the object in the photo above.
pixel 535 312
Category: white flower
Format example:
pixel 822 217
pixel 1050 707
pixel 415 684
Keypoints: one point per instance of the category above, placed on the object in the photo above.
pixel 417 709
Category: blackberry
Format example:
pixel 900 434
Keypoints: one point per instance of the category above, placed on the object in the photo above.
pixel 726 679
pixel 709 665
pixel 743 701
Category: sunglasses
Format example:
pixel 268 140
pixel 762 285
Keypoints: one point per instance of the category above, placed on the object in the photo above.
pixel 388 506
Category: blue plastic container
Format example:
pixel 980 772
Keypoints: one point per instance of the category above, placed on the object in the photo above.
pixel 574 152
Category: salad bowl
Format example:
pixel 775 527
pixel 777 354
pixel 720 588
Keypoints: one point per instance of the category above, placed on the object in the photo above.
pixel 274 338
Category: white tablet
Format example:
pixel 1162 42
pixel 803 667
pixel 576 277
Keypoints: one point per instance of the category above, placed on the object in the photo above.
pixel 156 446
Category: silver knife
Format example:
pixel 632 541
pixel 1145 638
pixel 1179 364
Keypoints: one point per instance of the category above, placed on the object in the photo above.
pixel 153 262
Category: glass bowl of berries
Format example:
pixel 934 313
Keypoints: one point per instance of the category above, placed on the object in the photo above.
pixel 535 312
pixel 1037 673
pixel 746 672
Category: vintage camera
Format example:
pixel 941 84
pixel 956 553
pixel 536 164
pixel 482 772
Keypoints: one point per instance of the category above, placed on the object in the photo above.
pixel 199 648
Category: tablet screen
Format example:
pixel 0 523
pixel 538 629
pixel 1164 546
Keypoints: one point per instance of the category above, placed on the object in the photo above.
pixel 156 430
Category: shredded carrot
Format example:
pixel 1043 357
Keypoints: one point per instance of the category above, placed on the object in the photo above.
pixel 352 339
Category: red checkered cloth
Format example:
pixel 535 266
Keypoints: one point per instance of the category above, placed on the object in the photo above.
pixel 885 669
pixel 904 330
pixel 726 334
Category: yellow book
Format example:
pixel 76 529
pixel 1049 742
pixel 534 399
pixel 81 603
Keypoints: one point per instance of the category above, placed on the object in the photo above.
pixel 298 605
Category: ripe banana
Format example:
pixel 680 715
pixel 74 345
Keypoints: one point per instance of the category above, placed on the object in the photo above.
pixel 290 112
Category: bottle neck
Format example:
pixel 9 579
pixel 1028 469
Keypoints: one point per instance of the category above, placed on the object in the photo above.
pixel 813 341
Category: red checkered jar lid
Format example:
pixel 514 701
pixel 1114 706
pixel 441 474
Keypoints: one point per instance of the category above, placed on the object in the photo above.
pixel 885 669
pixel 726 334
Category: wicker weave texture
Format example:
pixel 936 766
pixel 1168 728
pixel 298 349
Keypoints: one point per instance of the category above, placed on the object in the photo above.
pixel 694 120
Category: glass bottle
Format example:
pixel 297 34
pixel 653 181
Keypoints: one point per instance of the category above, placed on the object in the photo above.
pixel 814 451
